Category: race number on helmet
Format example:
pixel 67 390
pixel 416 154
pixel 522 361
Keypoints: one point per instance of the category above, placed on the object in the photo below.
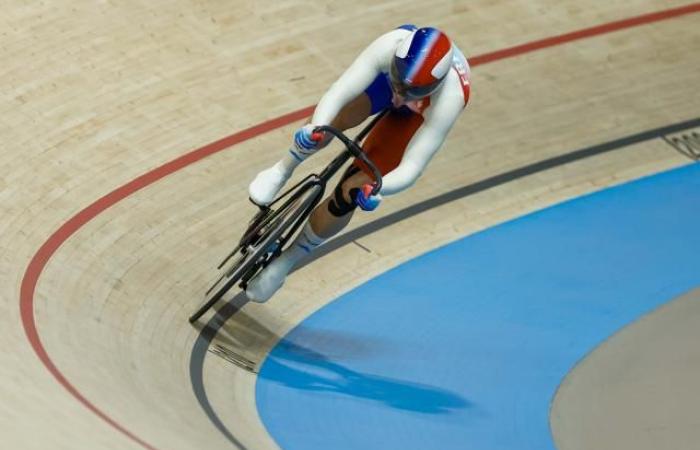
pixel 421 62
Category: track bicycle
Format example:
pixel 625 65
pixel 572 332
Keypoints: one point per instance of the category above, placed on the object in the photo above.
pixel 273 226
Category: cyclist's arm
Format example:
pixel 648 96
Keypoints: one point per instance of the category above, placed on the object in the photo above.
pixel 357 77
pixel 428 139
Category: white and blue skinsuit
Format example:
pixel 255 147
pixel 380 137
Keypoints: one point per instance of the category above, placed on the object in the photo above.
pixel 369 74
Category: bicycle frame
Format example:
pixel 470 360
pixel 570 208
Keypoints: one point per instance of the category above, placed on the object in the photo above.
pixel 266 216
pixel 352 148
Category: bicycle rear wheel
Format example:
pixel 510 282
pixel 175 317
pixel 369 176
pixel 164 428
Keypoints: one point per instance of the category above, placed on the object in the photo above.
pixel 266 247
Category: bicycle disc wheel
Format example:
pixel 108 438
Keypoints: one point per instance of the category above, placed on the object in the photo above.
pixel 282 220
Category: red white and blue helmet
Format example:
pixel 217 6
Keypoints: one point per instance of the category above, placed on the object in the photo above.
pixel 421 62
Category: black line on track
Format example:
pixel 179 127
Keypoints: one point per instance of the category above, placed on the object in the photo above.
pixel 209 331
pixel 199 351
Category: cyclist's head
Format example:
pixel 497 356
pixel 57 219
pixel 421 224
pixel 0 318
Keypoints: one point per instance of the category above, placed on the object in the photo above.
pixel 421 63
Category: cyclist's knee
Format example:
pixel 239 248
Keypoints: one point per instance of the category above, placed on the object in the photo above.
pixel 341 202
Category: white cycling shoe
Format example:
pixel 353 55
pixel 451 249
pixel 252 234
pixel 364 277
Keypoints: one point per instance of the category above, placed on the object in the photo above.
pixel 267 184
pixel 267 282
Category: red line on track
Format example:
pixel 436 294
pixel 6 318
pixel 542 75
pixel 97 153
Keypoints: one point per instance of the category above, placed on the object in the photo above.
pixel 42 256
pixel 583 34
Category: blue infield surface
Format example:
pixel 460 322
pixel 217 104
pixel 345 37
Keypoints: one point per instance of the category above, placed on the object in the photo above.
pixel 465 346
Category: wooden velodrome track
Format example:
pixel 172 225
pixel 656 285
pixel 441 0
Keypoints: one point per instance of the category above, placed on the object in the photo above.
pixel 99 275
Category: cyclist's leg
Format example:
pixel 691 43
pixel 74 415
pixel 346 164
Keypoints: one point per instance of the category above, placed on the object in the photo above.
pixel 385 146
pixel 263 286
pixel 329 217
pixel 335 212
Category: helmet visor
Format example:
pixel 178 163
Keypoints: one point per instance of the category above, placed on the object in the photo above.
pixel 406 90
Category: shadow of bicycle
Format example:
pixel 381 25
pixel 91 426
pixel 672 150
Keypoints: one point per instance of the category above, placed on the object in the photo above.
pixel 301 368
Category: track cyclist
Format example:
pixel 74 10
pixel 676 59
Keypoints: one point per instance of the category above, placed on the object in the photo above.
pixel 423 79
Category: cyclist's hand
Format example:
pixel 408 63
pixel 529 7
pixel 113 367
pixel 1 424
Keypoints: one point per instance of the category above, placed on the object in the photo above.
pixel 306 139
pixel 365 200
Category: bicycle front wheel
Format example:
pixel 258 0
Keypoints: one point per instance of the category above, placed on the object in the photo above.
pixel 273 234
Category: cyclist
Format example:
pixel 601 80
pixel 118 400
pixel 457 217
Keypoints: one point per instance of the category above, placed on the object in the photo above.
pixel 423 79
